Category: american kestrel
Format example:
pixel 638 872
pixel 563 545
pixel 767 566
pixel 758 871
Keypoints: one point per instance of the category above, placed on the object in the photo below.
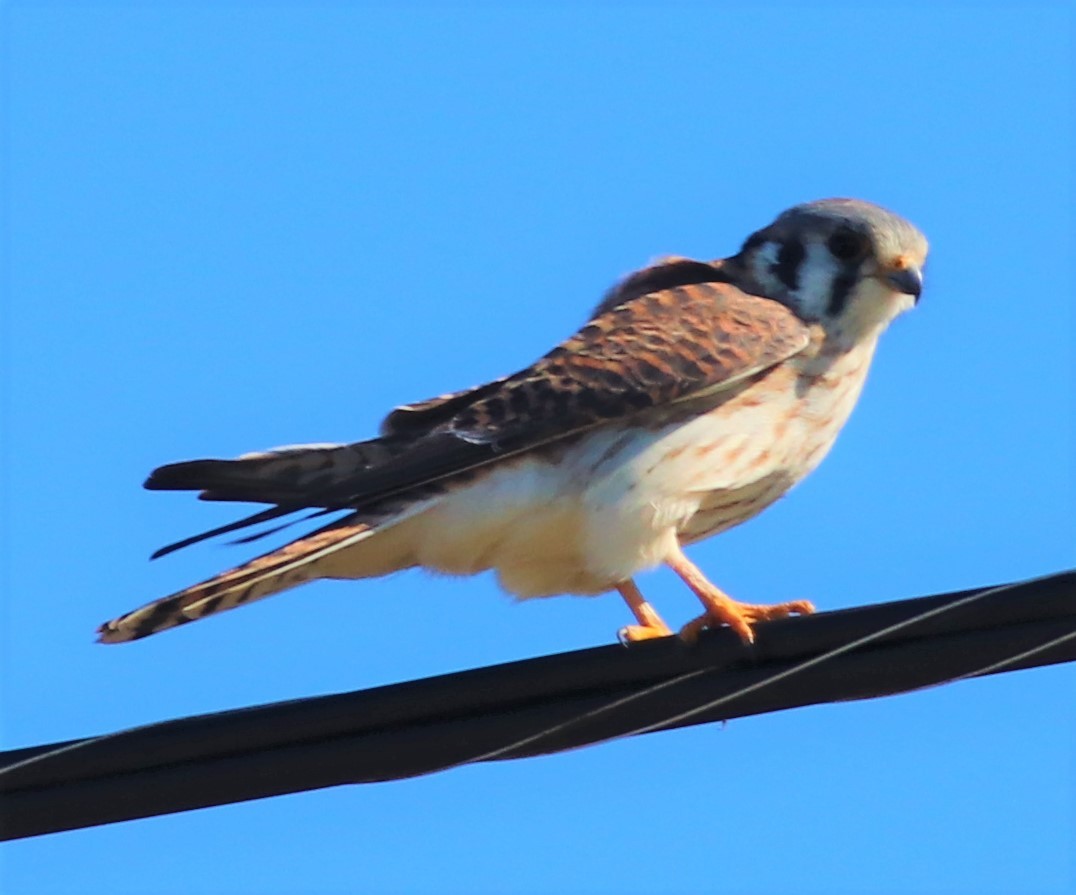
pixel 698 393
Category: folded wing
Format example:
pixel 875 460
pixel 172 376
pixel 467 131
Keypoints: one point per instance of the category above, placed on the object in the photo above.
pixel 637 356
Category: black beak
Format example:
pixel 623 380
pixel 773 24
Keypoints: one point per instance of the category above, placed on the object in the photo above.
pixel 908 280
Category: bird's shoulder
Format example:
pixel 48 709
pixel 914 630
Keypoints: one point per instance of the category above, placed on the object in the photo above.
pixel 663 334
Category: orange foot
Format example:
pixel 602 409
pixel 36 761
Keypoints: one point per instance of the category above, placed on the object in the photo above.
pixel 740 616
pixel 721 609
pixel 650 624
pixel 635 633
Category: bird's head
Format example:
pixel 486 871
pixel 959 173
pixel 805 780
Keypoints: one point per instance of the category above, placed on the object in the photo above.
pixel 847 264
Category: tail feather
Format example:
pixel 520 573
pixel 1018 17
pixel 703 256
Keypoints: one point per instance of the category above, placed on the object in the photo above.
pixel 287 567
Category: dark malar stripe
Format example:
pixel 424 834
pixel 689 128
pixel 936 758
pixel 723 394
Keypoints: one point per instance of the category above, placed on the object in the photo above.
pixel 840 290
pixel 787 268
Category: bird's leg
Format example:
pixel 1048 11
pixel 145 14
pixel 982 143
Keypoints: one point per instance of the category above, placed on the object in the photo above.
pixel 650 623
pixel 721 608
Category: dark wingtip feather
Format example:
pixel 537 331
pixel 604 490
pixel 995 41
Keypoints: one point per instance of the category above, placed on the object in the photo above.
pixel 258 535
pixel 255 519
pixel 191 475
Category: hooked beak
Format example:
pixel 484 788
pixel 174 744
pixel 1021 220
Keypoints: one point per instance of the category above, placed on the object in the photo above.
pixel 907 280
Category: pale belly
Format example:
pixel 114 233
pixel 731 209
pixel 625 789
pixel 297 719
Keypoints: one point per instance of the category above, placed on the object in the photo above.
pixel 617 501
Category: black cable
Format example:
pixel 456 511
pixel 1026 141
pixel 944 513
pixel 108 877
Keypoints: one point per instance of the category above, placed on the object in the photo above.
pixel 534 707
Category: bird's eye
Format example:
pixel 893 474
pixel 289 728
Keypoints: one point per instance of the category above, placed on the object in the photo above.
pixel 847 245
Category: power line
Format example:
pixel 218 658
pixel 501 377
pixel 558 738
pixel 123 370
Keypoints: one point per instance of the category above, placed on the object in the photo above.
pixel 534 707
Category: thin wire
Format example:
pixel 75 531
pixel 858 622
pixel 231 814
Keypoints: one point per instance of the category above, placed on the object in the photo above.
pixel 818 660
pixel 592 713
pixel 62 750
pixel 774 678
pixel 996 666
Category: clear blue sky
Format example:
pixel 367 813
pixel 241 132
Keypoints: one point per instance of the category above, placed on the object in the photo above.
pixel 232 228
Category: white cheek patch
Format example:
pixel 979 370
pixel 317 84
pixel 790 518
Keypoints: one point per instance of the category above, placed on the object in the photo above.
pixel 769 252
pixel 817 272
pixel 765 261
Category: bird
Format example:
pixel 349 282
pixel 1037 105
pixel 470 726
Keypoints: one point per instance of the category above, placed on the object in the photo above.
pixel 695 396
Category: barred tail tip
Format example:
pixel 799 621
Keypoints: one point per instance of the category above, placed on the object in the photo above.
pixel 282 569
pixel 158 616
pixel 109 632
